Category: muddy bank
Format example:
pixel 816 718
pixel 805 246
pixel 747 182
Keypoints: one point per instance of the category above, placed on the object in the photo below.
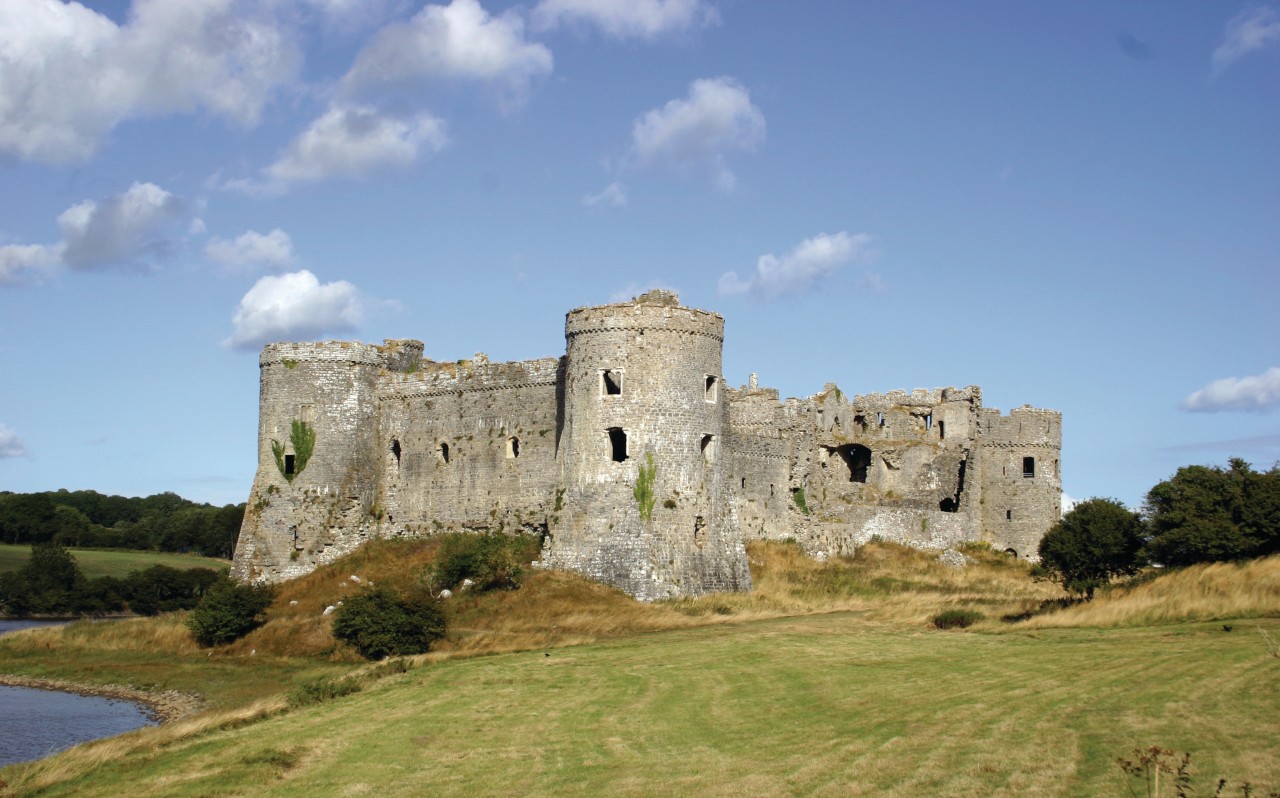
pixel 164 707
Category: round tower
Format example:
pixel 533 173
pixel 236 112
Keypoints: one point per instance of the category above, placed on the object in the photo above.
pixel 315 489
pixel 645 414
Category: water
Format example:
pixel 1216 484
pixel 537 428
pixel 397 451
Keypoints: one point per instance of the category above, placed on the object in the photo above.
pixel 36 723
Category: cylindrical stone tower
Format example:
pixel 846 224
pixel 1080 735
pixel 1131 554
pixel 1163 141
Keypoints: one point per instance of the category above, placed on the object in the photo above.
pixel 644 505
pixel 317 455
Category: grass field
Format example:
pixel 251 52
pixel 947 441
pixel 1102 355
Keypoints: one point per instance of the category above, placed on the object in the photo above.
pixel 823 705
pixel 828 680
pixel 118 563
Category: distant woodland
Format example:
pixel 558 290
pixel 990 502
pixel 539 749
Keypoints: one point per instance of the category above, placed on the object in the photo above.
pixel 86 519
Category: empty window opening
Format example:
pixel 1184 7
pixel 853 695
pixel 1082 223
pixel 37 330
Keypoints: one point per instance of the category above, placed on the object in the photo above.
pixel 610 382
pixel 928 422
pixel 1028 467
pixel 288 464
pixel 880 419
pixel 861 421
pixel 942 429
pixel 395 450
pixel 771 490
pixel 835 422
pixel 858 460
pixel 708 447
pixel 617 444
pixel 744 482
pixel 712 386
pixel 1056 472
pixel 1012 553
pixel 698 524
pixel 1008 515
pixel 951 504
pixel 513 448
pixel 444 452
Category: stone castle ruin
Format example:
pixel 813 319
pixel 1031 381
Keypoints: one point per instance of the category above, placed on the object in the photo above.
pixel 629 455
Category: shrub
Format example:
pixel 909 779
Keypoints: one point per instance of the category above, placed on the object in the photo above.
pixel 378 623
pixel 491 562
pixel 956 619
pixel 321 691
pixel 228 612
pixel 163 589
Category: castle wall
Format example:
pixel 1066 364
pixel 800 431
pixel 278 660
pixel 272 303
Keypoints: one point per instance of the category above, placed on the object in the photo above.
pixel 629 455
pixel 470 445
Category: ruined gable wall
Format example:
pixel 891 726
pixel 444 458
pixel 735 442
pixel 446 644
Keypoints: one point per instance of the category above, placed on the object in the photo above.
pixel 499 424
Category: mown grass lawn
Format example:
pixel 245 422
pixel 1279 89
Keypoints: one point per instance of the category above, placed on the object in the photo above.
pixel 111 562
pixel 823 705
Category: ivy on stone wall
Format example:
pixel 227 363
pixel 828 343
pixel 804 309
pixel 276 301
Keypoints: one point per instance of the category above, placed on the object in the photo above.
pixel 644 488
pixel 303 438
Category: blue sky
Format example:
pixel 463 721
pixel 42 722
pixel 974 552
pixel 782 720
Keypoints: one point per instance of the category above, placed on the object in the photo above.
pixel 1075 205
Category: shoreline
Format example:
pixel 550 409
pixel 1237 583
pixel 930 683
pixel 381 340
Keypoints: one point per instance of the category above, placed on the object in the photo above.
pixel 164 707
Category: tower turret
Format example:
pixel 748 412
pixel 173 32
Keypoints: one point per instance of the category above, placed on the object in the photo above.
pixel 645 506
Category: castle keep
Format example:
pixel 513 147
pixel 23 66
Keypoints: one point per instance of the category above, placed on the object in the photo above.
pixel 629 455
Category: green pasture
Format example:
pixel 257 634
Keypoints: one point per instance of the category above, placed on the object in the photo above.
pixel 110 562
pixel 822 705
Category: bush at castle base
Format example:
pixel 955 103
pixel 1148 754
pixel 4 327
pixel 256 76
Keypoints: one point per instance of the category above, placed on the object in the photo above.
pixel 228 612
pixel 379 623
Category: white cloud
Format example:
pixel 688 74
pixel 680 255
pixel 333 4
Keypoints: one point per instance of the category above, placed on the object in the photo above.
pixel 798 270
pixel 695 133
pixel 71 74
pixel 24 263
pixel 457 41
pixel 349 141
pixel 1249 30
pixel 131 228
pixel 1068 503
pixel 250 249
pixel 613 195
pixel 10 444
pixel 294 306
pixel 136 228
pixel 1251 394
pixel 627 19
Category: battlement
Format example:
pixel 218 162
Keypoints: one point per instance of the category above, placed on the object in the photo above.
pixel 656 310
pixel 466 376
pixel 392 354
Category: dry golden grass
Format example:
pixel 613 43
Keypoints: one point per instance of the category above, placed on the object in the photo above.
pixel 1198 593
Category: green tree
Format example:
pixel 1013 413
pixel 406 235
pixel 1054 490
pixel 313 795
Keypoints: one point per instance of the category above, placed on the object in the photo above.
pixel 378 623
pixel 1097 540
pixel 1211 514
pixel 228 611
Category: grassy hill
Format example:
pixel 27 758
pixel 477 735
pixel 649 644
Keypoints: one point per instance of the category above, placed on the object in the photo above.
pixel 826 681
pixel 110 562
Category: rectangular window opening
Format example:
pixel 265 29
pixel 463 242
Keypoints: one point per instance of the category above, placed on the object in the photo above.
pixel 1008 515
pixel 395 450
pixel 617 444
pixel 928 422
pixel 443 452
pixel 610 382
pixel 1028 467
pixel 288 464
pixel 712 386
pixel 942 429
pixel 513 448
pixel 708 447
pixel 880 419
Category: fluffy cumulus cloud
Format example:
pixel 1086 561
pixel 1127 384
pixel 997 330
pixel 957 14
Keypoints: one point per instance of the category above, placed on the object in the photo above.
pixel 351 141
pixel 10 444
pixel 1250 30
pixel 801 268
pixel 1256 394
pixel 613 195
pixel 251 249
pixel 294 306
pixel 71 74
pixel 460 41
pixel 627 19
pixel 138 228
pixel 695 133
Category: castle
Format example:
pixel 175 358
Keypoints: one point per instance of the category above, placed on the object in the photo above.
pixel 629 455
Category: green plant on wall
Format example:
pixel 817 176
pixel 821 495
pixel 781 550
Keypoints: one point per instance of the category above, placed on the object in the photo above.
pixel 303 438
pixel 797 496
pixel 644 488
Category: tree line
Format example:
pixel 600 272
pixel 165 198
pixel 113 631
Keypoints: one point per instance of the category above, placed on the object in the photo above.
pixel 1200 514
pixel 88 519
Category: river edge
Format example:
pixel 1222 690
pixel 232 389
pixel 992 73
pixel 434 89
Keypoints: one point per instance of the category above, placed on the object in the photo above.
pixel 164 707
